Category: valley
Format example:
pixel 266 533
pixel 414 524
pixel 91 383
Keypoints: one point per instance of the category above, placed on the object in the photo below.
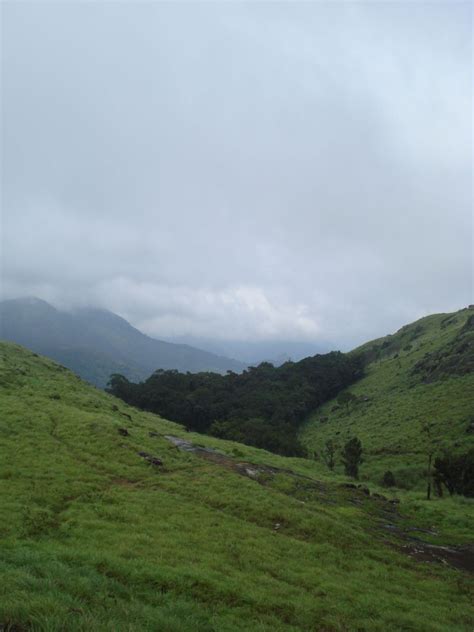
pixel 113 526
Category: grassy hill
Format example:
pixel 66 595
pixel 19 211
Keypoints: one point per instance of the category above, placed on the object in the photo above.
pixel 423 373
pixel 110 525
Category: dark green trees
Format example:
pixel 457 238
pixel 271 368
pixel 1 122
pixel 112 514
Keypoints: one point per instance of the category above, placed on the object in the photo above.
pixel 263 406
pixel 329 453
pixel 119 386
pixel 352 457
pixel 456 473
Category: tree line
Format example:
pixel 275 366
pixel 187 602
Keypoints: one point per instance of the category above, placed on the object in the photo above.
pixel 263 406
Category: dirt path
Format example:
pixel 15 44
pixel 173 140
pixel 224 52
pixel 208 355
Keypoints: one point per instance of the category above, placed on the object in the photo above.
pixel 459 557
pixel 251 470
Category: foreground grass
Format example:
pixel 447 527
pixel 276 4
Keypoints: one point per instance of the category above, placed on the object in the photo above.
pixel 94 538
pixel 398 404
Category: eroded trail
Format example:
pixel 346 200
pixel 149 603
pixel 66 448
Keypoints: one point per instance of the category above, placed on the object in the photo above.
pixel 251 470
pixel 387 515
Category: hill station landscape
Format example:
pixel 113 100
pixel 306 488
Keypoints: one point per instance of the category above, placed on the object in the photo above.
pixel 120 519
pixel 236 316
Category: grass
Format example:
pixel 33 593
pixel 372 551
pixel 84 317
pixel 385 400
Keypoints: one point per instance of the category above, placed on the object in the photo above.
pixel 398 403
pixel 94 538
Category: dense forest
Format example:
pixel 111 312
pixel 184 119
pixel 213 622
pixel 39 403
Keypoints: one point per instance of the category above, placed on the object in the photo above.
pixel 263 406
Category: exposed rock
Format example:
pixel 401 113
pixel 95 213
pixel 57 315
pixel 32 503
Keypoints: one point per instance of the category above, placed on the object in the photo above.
pixel 251 472
pixel 389 526
pixel 187 446
pixel 153 460
pixel 419 530
pixel 260 473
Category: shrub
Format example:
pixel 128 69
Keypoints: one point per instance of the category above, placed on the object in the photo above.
pixel 388 479
pixel 352 457
pixel 456 472
pixel 329 453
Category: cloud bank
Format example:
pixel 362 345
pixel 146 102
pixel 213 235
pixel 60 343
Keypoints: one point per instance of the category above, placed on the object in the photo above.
pixel 243 171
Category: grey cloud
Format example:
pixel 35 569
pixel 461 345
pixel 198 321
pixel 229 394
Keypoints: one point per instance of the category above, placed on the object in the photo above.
pixel 245 170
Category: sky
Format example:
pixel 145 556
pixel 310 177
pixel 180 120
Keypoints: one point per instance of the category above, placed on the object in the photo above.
pixel 240 171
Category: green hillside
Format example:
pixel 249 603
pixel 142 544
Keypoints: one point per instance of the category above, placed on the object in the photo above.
pixel 109 525
pixel 423 373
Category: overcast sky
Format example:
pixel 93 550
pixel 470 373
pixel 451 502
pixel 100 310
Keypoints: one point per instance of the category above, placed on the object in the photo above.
pixel 236 170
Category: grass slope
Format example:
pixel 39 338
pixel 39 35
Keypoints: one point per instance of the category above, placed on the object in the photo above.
pixel 95 538
pixel 400 399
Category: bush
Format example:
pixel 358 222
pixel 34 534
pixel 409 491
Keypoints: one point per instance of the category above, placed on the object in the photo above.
pixel 388 479
pixel 352 457
pixel 456 473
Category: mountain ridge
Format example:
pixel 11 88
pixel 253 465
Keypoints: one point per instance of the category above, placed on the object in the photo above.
pixel 96 342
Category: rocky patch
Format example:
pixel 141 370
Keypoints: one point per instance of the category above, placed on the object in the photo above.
pixel 153 460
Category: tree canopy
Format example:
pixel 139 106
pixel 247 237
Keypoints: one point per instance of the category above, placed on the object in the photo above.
pixel 263 406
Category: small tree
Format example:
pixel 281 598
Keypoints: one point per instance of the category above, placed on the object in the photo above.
pixel 329 453
pixel 119 386
pixel 430 446
pixel 388 479
pixel 352 457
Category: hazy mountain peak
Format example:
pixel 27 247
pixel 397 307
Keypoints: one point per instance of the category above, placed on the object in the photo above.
pixel 28 301
pixel 95 342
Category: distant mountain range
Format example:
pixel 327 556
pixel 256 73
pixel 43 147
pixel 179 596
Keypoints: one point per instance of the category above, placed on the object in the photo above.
pixel 253 352
pixel 95 343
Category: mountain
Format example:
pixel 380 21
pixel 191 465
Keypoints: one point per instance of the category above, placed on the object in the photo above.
pixel 116 519
pixel 422 373
pixel 254 352
pixel 96 343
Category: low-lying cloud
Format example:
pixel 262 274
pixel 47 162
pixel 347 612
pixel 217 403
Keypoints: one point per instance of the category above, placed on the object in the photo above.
pixel 244 171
